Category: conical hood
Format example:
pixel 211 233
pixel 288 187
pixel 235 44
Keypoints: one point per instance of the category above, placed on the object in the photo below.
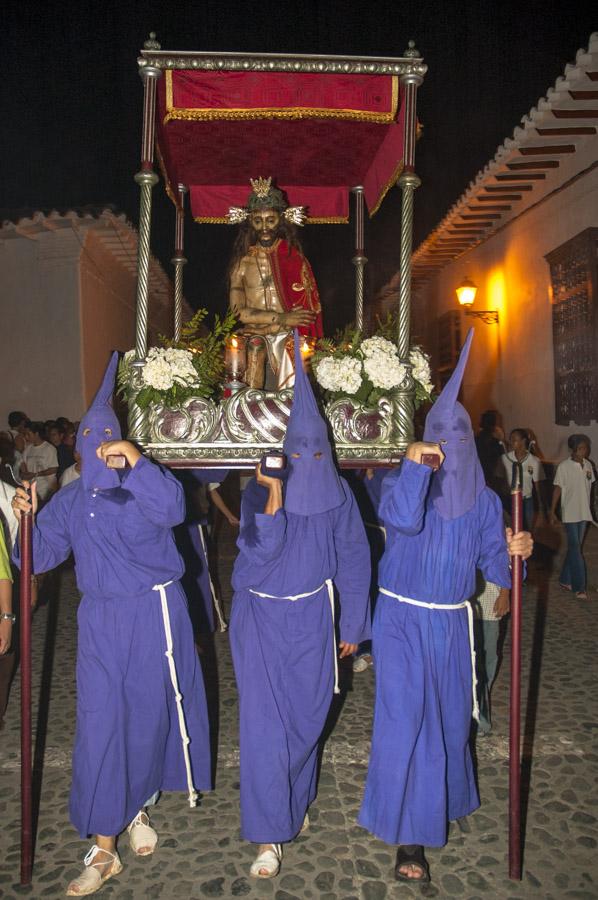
pixel 313 484
pixel 460 480
pixel 99 424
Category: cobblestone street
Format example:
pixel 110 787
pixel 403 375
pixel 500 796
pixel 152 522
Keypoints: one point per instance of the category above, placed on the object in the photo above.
pixel 200 854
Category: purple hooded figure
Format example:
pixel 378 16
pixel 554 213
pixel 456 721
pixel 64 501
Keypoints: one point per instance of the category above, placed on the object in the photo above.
pixel 441 526
pixel 298 541
pixel 142 721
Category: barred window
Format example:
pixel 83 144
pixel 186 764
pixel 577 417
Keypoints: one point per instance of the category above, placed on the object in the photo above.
pixel 574 276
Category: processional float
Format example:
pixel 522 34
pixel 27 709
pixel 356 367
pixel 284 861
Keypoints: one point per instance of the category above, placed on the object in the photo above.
pixel 356 116
pixel 336 126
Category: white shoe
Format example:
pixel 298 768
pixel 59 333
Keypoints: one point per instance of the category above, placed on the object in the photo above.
pixel 267 864
pixel 305 825
pixel 90 880
pixel 142 837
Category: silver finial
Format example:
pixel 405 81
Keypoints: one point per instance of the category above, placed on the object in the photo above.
pixel 412 52
pixel 152 43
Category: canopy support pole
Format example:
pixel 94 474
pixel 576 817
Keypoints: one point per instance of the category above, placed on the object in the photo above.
pixel 360 259
pixel 179 260
pixel 404 406
pixel 146 178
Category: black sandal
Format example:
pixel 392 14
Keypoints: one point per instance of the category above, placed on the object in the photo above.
pixel 412 855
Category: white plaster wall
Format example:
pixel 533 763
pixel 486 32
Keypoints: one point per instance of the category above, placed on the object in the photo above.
pixel 511 365
pixel 39 335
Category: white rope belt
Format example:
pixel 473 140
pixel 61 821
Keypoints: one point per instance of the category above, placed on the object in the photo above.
pixel 177 694
pixel 294 597
pixel 221 620
pixel 450 606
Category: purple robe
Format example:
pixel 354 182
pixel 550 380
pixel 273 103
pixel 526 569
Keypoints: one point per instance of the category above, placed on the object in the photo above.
pixel 127 741
pixel 283 649
pixel 420 773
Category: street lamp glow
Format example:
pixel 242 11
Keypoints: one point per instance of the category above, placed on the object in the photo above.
pixel 466 292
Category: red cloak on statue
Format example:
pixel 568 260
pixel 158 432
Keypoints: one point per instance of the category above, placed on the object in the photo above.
pixel 296 285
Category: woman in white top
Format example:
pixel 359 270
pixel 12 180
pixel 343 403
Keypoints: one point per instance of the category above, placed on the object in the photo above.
pixel 572 486
pixel 533 472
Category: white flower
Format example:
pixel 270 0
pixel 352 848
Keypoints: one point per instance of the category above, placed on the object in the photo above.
pixel 339 374
pixel 384 370
pixel 165 368
pixel 421 369
pixel 376 345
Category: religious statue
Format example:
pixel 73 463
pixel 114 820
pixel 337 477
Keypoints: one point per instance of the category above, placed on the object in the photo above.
pixel 272 287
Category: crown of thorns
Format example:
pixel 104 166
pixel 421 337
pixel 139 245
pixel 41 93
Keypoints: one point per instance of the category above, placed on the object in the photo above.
pixel 265 196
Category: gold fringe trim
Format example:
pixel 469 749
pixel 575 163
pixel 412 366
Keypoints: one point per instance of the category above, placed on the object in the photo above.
pixel 294 112
pixel 324 220
pixel 390 183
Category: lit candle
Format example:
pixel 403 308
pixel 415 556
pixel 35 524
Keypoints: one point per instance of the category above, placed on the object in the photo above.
pixel 307 350
pixel 234 358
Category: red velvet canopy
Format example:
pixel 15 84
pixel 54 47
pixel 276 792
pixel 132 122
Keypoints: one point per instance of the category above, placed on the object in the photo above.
pixel 317 135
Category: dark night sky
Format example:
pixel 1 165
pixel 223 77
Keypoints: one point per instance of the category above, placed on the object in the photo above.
pixel 71 104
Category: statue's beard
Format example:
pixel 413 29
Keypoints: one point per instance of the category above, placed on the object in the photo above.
pixel 265 238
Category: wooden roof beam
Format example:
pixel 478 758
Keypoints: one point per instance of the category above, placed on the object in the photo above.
pixel 498 208
pixel 549 150
pixel 565 130
pixel 575 113
pixel 495 188
pixel 528 164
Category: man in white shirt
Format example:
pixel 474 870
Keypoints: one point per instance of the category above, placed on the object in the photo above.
pixel 572 487
pixel 531 468
pixel 39 460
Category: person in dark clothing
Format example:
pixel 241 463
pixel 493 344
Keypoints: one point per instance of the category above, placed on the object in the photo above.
pixel 490 446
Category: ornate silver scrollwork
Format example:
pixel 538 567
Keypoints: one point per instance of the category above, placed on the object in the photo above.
pixel 195 420
pixel 355 423
pixel 251 416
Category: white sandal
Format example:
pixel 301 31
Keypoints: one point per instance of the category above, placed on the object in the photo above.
pixel 90 879
pixel 142 837
pixel 269 860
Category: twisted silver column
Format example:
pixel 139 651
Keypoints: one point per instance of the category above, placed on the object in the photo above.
pixel 178 263
pixel 359 260
pixel 404 406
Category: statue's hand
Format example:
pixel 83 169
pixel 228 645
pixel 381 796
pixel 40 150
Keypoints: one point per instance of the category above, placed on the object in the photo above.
pixel 297 318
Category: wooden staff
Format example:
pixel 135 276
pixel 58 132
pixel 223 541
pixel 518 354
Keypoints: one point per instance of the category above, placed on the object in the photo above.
pixel 25 662
pixel 515 710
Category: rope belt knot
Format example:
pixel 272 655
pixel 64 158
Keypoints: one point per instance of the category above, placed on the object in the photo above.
pixel 450 606
pixel 294 597
pixel 185 739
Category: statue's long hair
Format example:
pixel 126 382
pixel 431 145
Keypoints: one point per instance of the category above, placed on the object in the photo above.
pixel 247 237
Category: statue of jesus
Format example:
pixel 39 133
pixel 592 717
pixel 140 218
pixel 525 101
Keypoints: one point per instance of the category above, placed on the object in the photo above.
pixel 272 287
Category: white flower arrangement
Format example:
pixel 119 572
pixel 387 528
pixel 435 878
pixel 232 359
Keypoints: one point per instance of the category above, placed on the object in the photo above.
pixel 167 367
pixel 339 374
pixel 420 369
pixel 369 369
pixel 192 366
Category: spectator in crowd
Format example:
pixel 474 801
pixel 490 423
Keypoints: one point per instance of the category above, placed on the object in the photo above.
pixel 572 487
pixel 66 448
pixel 54 433
pixel 533 473
pixel 39 460
pixel 8 531
pixel 490 446
pixel 72 473
pixel 16 429
pixel 490 603
pixel 6 616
